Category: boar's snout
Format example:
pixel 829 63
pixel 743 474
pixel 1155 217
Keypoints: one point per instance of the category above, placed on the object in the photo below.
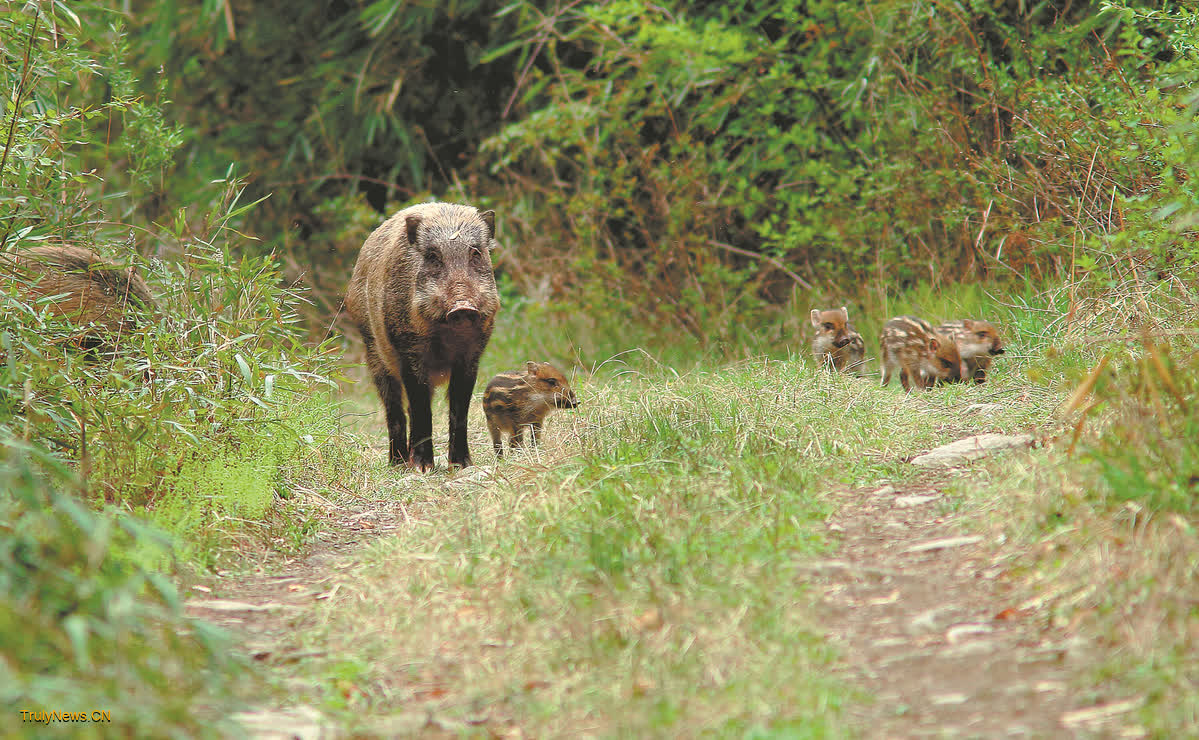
pixel 997 351
pixel 463 311
pixel 566 400
pixel 841 342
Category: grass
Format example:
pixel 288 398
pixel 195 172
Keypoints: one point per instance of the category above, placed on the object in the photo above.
pixel 1102 524
pixel 633 576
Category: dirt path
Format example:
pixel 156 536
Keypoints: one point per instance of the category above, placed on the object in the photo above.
pixel 929 620
pixel 932 623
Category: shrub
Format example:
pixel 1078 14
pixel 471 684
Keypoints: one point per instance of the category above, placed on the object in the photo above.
pixel 83 629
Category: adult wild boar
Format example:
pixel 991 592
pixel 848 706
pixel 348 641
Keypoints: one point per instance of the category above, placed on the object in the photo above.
pixel 424 297
pixel 107 302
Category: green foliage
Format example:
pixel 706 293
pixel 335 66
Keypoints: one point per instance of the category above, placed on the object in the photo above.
pixel 72 117
pixel 197 416
pixel 324 99
pixel 890 143
pixel 82 629
pixel 1148 450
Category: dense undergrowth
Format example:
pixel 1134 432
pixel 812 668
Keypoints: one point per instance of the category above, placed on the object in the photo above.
pixel 677 185
pixel 173 445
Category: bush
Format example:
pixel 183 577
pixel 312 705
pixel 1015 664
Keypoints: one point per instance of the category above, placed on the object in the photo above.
pixel 194 420
pixel 83 629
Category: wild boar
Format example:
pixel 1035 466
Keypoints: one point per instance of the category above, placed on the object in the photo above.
pixel 836 343
pixel 77 284
pixel 922 356
pixel 518 400
pixel 977 342
pixel 423 295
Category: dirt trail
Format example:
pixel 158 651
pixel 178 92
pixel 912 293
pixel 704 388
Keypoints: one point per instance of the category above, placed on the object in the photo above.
pixel 932 624
pixel 927 618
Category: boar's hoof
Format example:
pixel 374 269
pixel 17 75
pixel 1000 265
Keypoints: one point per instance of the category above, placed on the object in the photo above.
pixel 420 458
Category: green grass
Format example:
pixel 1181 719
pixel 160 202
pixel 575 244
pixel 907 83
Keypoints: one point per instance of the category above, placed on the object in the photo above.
pixel 1103 523
pixel 635 575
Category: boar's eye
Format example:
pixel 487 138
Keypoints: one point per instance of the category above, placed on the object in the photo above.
pixel 828 326
pixel 433 257
pixel 981 334
pixel 947 364
pixel 551 382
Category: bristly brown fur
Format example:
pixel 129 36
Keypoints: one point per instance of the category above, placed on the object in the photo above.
pixel 522 399
pixel 82 287
pixel 922 356
pixel 836 343
pixel 423 295
pixel 977 342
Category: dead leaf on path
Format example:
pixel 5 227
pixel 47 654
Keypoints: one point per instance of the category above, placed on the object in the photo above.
pixel 1010 613
pixel 890 598
pixel 1099 713
pixel 433 692
pixel 643 686
pixel 650 621
pixel 536 684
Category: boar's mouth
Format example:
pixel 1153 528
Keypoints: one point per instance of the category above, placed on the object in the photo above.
pixel 563 402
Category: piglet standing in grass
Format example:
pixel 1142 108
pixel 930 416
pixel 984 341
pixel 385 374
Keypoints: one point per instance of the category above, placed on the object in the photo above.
pixel 836 343
pixel 977 342
pixel 423 295
pixel 520 400
pixel 921 355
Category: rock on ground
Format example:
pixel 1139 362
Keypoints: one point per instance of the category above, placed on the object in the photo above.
pixel 970 448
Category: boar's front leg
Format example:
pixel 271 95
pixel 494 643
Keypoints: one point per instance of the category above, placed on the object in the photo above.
pixel 462 384
pixel 420 408
pixel 392 395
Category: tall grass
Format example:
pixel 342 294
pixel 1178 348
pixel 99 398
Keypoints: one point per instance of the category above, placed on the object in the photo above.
pixel 634 574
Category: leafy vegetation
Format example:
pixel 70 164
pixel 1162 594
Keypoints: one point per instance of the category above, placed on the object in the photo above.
pixel 678 183
pixel 167 449
pixel 85 630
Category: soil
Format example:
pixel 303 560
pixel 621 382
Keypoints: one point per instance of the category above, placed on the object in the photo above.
pixel 929 620
pixel 946 639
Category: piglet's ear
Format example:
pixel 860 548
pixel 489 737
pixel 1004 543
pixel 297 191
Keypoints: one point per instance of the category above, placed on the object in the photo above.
pixel 845 311
pixel 531 367
pixel 412 227
pixel 968 325
pixel 815 318
pixel 489 219
pixel 933 344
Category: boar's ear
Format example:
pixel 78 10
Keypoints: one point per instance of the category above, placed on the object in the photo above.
pixel 531 367
pixel 412 227
pixel 815 318
pixel 845 311
pixel 933 344
pixel 489 219
pixel 967 324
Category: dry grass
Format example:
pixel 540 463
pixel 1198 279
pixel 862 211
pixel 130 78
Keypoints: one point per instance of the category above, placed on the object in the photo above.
pixel 634 575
